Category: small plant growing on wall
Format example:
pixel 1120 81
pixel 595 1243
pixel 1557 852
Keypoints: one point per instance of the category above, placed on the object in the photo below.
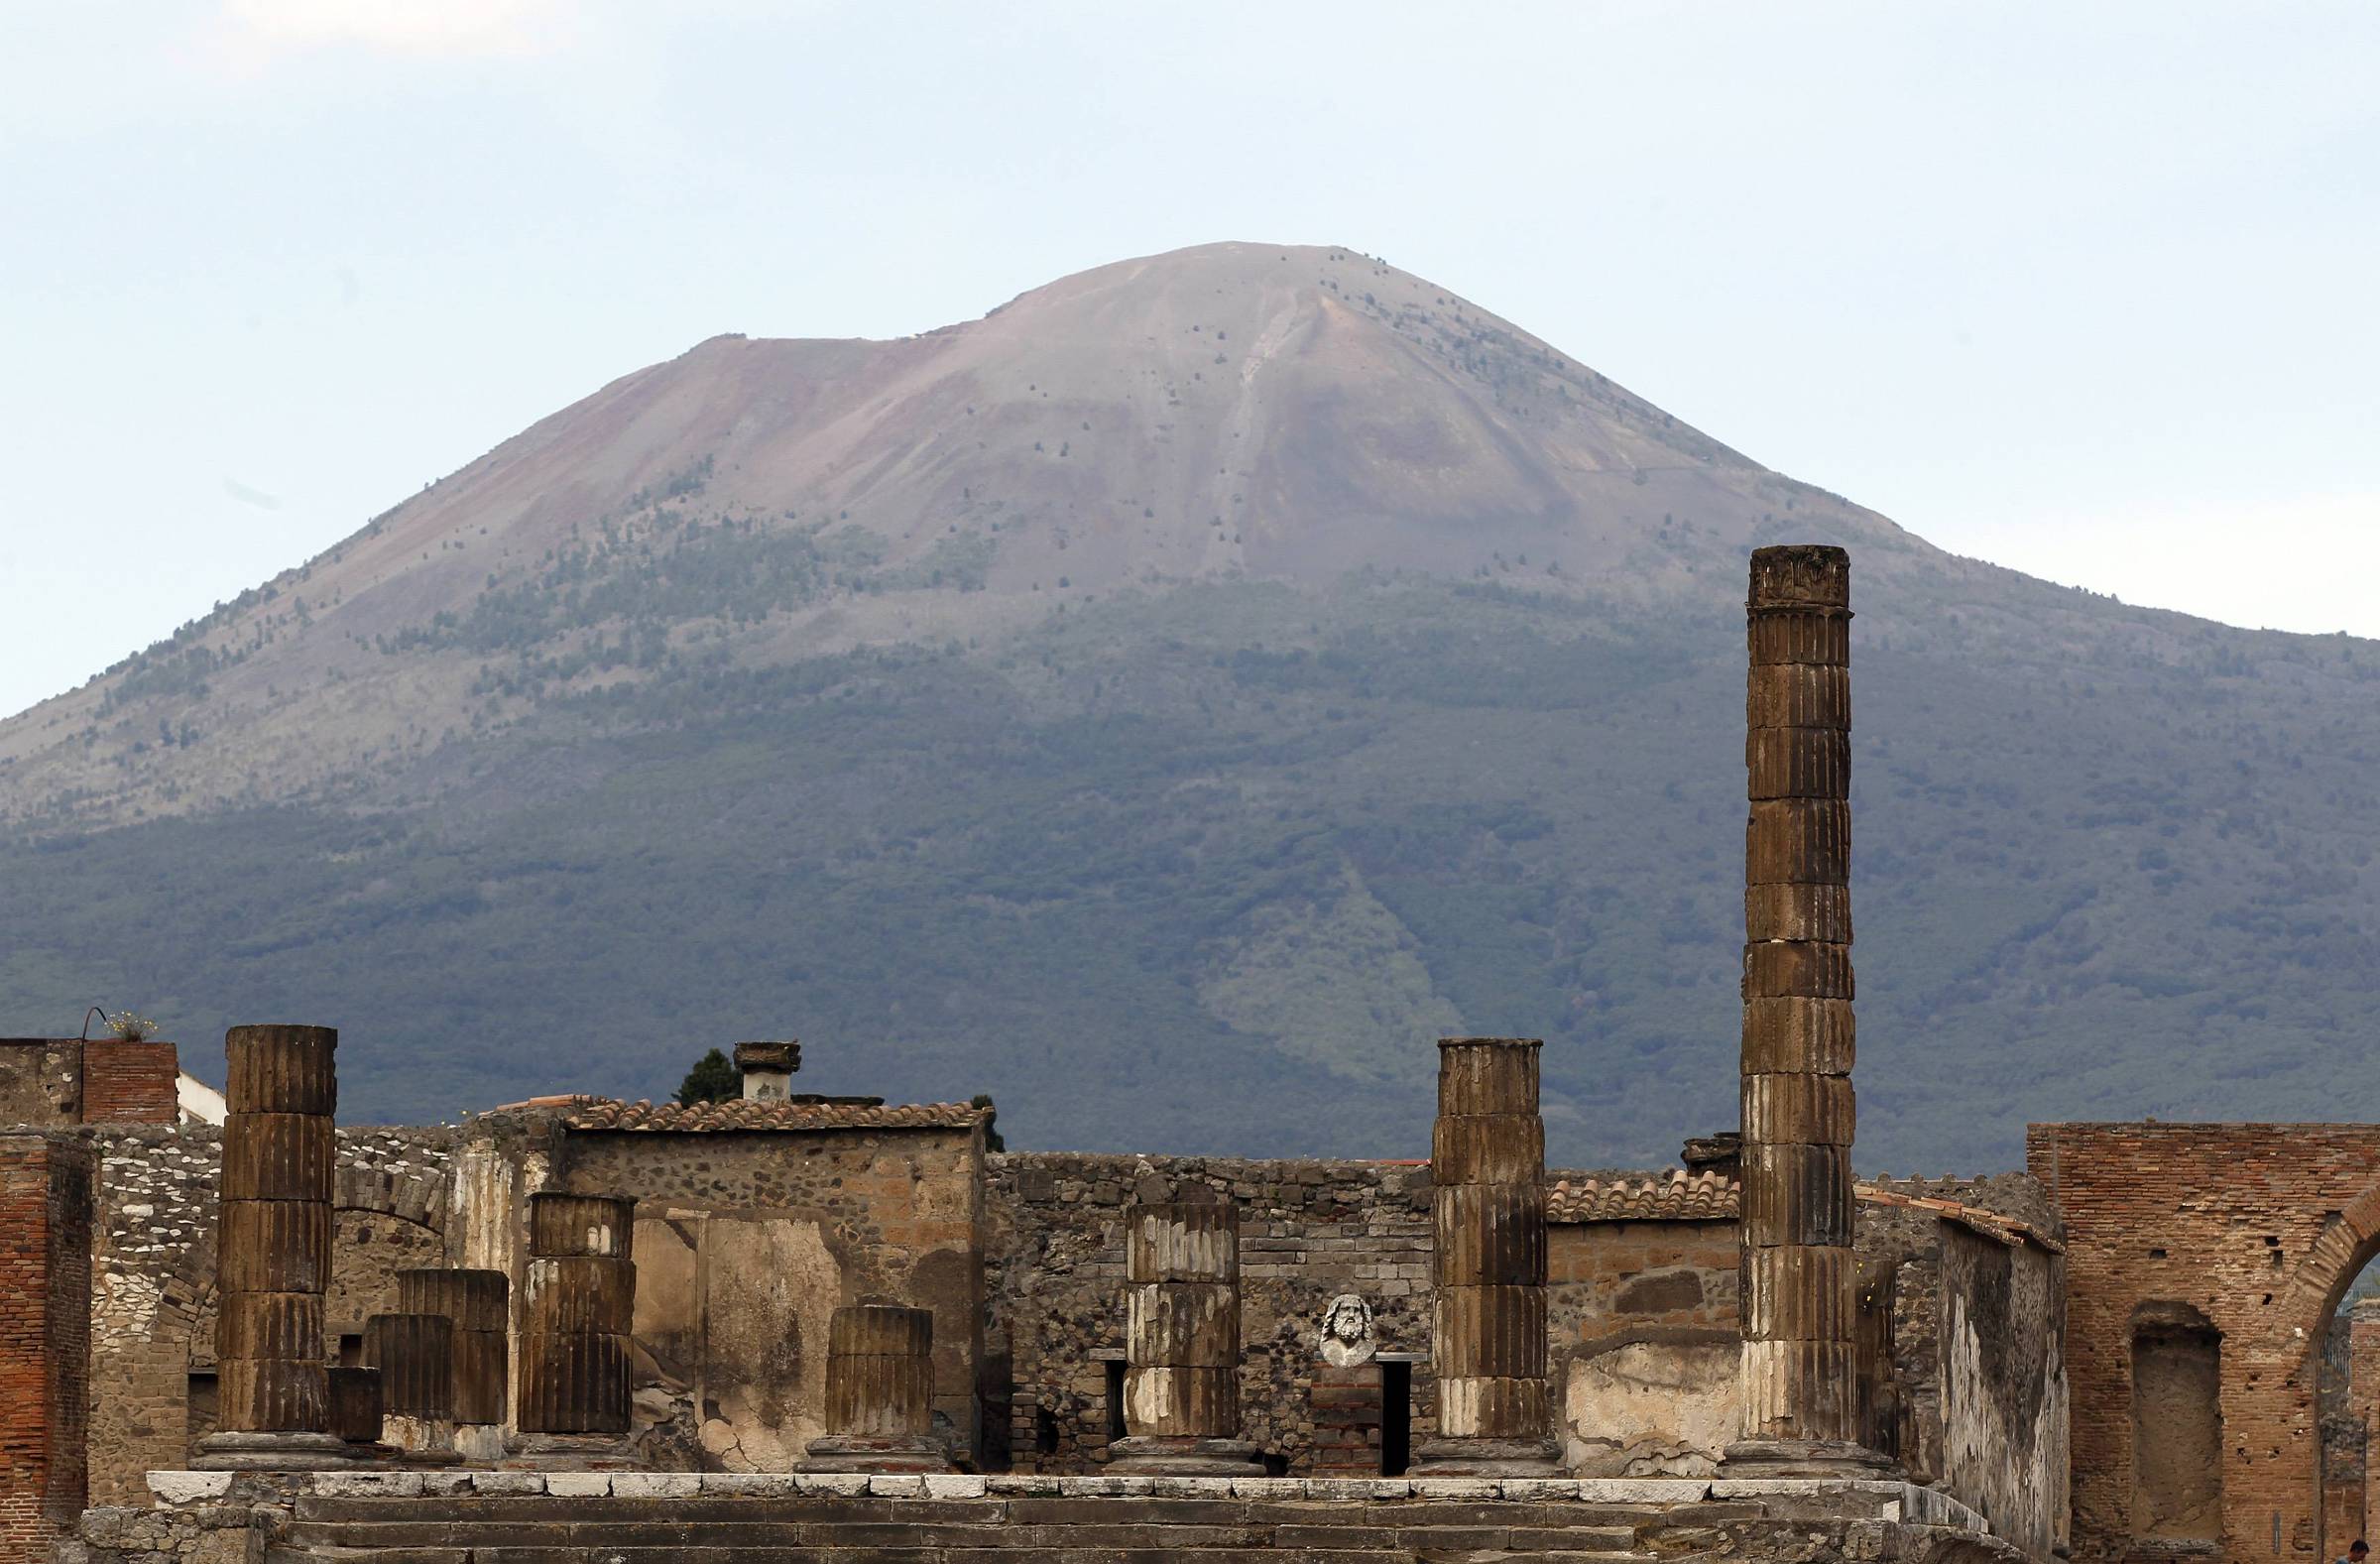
pixel 125 1027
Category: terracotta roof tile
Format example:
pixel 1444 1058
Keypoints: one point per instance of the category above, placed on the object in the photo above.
pixel 1672 1196
pixel 1714 1196
pixel 603 1113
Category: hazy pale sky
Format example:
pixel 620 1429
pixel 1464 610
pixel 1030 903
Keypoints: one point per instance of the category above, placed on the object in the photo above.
pixel 2087 289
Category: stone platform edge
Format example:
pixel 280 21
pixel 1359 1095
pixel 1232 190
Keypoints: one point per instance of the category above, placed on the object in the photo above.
pixel 1877 1500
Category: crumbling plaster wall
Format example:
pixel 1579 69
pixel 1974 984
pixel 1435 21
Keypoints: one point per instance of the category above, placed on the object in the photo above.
pixel 2259 1228
pixel 1645 1345
pixel 2003 1390
pixel 746 1241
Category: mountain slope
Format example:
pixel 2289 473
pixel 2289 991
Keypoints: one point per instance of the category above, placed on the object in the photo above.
pixel 1168 703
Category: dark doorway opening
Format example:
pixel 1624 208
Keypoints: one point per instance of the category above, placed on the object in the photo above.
pixel 1396 1417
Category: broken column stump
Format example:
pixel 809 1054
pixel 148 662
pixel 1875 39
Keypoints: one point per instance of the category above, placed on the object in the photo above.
pixel 1488 1206
pixel 414 1353
pixel 273 1248
pixel 578 1300
pixel 880 1394
pixel 1181 1345
pixel 477 1303
pixel 1800 1375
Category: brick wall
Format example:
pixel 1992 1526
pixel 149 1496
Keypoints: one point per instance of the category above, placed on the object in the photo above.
pixel 45 1340
pixel 128 1082
pixel 2257 1229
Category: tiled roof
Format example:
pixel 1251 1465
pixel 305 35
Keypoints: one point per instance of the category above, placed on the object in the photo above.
pixel 1673 1196
pixel 603 1113
pixel 1712 1196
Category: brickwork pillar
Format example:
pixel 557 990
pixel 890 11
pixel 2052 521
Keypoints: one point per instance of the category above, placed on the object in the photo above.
pixel 577 1303
pixel 1488 1207
pixel 477 1303
pixel 1800 1371
pixel 45 1341
pixel 273 1252
pixel 1347 1408
pixel 414 1353
pixel 1181 1343
pixel 880 1394
pixel 130 1082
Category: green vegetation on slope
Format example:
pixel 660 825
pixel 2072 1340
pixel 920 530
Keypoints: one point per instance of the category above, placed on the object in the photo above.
pixel 1204 871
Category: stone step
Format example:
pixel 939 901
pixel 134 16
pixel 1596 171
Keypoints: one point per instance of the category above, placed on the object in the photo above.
pixel 389 1536
pixel 857 1553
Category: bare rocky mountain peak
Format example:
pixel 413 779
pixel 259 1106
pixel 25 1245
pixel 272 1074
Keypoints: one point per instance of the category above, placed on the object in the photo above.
pixel 1233 412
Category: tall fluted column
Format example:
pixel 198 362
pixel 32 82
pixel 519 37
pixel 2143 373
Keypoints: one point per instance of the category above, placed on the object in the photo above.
pixel 1487 1171
pixel 880 1393
pixel 1181 1343
pixel 1800 1371
pixel 577 1304
pixel 414 1353
pixel 476 1303
pixel 273 1251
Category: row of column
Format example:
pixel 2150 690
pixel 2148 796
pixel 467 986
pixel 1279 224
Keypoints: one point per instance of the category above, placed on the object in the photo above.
pixel 432 1384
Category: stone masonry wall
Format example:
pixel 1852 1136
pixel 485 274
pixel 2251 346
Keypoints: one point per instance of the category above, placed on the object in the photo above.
pixel 2254 1229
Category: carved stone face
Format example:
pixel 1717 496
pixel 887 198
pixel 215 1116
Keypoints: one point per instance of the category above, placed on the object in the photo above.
pixel 1347 1338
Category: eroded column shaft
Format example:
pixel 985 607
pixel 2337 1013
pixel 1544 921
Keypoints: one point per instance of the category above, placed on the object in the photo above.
pixel 1181 1342
pixel 880 1372
pixel 1488 1211
pixel 414 1353
pixel 476 1303
pixel 1800 1280
pixel 578 1300
pixel 273 1232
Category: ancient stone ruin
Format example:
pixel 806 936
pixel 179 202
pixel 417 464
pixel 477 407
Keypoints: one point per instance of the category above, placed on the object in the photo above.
pixel 790 1322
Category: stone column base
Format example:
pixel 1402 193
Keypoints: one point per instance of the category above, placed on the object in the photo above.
pixel 480 1444
pixel 422 1442
pixel 277 1452
pixel 1471 1456
pixel 1182 1455
pixel 571 1453
pixel 1767 1458
pixel 859 1453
